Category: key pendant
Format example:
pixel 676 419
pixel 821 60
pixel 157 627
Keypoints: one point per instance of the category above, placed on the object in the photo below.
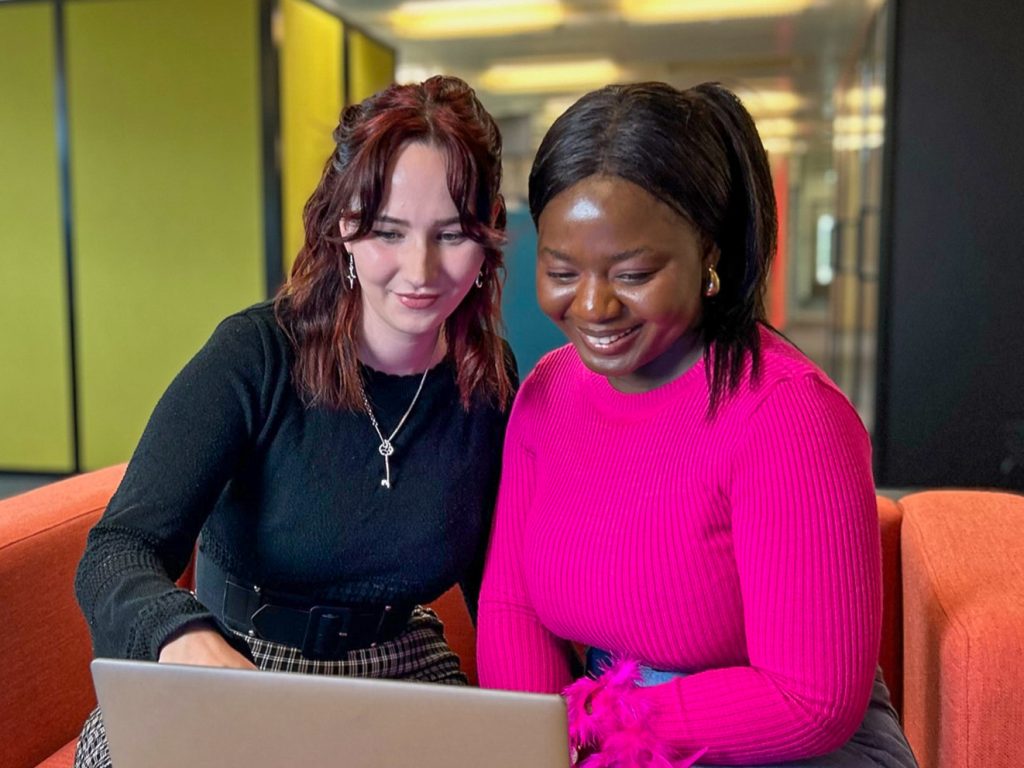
pixel 386 449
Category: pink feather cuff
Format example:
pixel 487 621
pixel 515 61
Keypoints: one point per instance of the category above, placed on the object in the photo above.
pixel 608 723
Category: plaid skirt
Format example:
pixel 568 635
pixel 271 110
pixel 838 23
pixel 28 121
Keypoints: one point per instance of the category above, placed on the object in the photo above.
pixel 420 653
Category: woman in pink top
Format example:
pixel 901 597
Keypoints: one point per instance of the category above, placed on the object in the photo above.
pixel 683 492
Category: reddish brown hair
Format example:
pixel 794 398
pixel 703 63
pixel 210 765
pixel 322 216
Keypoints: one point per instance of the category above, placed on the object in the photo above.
pixel 318 311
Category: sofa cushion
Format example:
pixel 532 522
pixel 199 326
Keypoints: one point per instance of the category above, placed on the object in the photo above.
pixel 46 691
pixel 963 571
pixel 65 758
pixel 458 629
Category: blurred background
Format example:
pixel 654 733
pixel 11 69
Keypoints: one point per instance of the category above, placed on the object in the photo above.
pixel 155 156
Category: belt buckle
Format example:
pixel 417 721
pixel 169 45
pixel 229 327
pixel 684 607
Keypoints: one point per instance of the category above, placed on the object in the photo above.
pixel 327 632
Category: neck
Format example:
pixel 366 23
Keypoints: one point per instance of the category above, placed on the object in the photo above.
pixel 670 365
pixel 402 355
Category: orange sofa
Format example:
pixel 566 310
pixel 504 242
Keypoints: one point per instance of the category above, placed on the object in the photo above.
pixel 953 634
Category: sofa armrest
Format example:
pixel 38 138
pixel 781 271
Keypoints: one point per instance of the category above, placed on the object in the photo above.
pixel 963 618
pixel 890 654
pixel 44 643
pixel 458 629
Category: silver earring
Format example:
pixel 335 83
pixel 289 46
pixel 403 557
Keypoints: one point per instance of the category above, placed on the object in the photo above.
pixel 480 280
pixel 351 272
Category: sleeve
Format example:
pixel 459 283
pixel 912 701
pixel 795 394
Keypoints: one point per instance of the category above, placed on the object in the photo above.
pixel 807 548
pixel 470 582
pixel 515 650
pixel 199 431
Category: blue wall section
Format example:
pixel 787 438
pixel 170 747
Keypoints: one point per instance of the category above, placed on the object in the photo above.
pixel 528 330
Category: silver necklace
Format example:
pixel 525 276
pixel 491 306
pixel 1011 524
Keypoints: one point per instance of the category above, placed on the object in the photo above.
pixel 386 448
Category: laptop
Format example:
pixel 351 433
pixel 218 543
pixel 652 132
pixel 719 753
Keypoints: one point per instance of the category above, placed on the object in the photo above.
pixel 169 716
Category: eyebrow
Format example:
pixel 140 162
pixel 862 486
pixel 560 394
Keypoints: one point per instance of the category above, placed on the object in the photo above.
pixel 403 223
pixel 615 257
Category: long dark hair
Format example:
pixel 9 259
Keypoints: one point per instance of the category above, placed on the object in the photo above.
pixel 321 315
pixel 697 151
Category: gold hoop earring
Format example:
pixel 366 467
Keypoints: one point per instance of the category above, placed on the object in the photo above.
pixel 713 285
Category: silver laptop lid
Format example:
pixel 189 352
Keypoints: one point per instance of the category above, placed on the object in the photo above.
pixel 169 716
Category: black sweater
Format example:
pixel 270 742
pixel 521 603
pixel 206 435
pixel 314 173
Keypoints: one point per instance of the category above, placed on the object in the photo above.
pixel 288 496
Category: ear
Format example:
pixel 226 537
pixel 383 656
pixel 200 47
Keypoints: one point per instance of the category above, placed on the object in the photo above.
pixel 347 226
pixel 498 212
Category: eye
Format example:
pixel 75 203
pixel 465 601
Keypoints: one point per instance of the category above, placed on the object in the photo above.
pixel 452 237
pixel 634 278
pixel 560 275
pixel 387 235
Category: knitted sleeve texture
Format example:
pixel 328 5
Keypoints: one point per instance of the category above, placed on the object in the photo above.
pixel 514 649
pixel 805 532
pixel 200 429
pixel 742 552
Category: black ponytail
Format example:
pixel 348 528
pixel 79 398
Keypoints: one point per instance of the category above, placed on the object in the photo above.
pixel 747 239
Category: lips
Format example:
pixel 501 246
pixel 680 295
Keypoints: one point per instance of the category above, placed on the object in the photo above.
pixel 417 300
pixel 608 341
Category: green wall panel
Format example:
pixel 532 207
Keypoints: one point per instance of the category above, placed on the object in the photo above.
pixel 312 92
pixel 35 376
pixel 371 66
pixel 165 140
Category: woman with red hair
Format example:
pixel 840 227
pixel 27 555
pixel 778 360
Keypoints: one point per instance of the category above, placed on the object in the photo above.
pixel 338 447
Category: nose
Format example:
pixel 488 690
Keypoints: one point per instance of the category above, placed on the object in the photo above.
pixel 595 300
pixel 420 262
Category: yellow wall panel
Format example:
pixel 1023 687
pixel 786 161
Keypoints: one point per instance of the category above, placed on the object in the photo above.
pixel 35 375
pixel 311 99
pixel 165 140
pixel 371 66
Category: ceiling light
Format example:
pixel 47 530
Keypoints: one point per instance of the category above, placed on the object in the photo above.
pixel 777 127
pixel 770 102
pixel 853 142
pixel 667 11
pixel 779 145
pixel 859 124
pixel 474 18
pixel 549 77
pixel 858 98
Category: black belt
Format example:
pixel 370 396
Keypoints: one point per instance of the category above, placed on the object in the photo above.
pixel 321 632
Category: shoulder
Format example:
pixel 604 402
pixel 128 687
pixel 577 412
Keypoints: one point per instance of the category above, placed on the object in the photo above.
pixel 780 358
pixel 790 389
pixel 552 380
pixel 554 374
pixel 253 329
pixel 248 345
pixel 259 319
pixel 784 381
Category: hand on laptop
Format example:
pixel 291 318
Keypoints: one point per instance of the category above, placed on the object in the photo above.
pixel 202 647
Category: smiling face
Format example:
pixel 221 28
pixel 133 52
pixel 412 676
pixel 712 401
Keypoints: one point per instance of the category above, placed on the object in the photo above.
pixel 622 275
pixel 416 265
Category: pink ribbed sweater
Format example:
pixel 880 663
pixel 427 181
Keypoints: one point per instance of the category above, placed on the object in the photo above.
pixel 744 550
